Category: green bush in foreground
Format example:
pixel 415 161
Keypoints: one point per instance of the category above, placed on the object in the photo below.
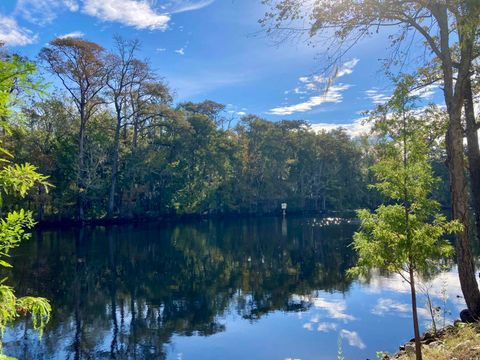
pixel 16 180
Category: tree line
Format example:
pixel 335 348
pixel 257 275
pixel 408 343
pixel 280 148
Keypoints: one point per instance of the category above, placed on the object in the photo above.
pixel 114 144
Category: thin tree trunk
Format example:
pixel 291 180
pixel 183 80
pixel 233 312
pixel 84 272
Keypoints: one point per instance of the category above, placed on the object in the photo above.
pixel 81 166
pixel 473 151
pixel 41 203
pixel 116 144
pixel 418 345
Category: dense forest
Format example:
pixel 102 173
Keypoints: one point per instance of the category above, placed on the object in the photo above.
pixel 109 136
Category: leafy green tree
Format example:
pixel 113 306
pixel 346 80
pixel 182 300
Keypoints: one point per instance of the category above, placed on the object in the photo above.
pixel 405 236
pixel 448 29
pixel 16 179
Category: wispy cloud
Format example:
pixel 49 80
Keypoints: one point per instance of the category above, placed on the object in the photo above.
pixel 386 306
pixel 43 12
pixel 425 92
pixel 200 82
pixel 332 95
pixel 353 338
pixel 336 309
pixel 13 34
pixel 356 128
pixel 321 90
pixel 74 34
pixel 377 97
pixel 347 68
pixel 180 51
pixel 326 327
pixel 178 6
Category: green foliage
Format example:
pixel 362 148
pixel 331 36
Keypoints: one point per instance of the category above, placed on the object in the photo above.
pixel 409 232
pixel 184 162
pixel 407 235
pixel 38 307
pixel 16 179
pixel 14 75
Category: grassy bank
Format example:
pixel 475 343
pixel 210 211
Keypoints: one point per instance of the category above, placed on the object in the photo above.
pixel 460 342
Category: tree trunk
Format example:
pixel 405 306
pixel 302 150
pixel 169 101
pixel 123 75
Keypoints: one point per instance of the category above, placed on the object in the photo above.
pixel 454 95
pixel 116 144
pixel 473 152
pixel 418 345
pixel 41 202
pixel 81 168
pixel 459 193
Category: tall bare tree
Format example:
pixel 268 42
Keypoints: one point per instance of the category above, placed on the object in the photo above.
pixel 126 73
pixel 80 66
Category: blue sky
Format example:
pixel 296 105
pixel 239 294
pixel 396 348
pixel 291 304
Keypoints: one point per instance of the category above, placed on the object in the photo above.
pixel 214 49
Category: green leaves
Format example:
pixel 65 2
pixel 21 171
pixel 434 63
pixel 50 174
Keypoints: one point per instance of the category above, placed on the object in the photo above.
pixel 409 232
pixel 16 179
pixel 39 308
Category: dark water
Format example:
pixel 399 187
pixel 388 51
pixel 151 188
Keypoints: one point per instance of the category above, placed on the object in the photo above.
pixel 245 289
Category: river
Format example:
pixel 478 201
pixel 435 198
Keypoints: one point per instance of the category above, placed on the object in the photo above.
pixel 265 288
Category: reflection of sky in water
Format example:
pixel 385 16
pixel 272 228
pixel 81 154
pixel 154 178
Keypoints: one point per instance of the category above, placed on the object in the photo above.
pixel 368 318
pixel 252 289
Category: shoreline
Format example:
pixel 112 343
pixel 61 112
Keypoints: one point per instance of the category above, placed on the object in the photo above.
pixel 458 341
pixel 179 218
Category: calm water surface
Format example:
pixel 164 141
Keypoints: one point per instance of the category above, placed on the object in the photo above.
pixel 245 289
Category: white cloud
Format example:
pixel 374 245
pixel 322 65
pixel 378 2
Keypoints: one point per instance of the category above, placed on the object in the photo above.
pixel 161 49
pixel 377 97
pixel 180 51
pixel 391 307
pixel 13 34
pixel 178 6
pixel 241 113
pixel 43 12
pixel 385 306
pixel 356 128
pixel 308 326
pixel 347 68
pixel 138 14
pixel 425 92
pixel 329 93
pixel 332 95
pixel 326 327
pixel 353 338
pixel 445 282
pixel 71 5
pixel 74 34
pixel 334 308
pixel 142 14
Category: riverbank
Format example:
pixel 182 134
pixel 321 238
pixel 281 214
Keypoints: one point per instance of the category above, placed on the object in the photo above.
pixel 179 218
pixel 460 341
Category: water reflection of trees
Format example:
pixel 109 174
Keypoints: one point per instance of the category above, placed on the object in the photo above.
pixel 123 292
